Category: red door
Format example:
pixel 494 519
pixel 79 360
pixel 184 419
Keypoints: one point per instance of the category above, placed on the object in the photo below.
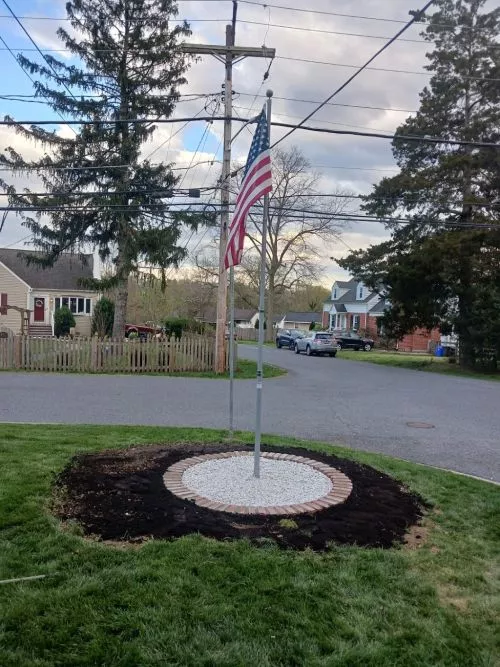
pixel 39 311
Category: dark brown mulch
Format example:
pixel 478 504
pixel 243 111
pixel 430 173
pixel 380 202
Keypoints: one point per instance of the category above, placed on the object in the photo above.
pixel 120 495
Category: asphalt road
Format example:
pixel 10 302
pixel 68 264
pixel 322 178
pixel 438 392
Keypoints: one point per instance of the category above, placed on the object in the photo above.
pixel 361 405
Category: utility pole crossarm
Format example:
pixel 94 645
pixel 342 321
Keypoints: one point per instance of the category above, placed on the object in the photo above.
pixel 236 51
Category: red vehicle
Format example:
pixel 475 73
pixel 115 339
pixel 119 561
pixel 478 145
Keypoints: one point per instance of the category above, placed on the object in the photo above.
pixel 142 330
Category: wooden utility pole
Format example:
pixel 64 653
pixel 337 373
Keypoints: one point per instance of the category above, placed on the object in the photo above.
pixel 228 55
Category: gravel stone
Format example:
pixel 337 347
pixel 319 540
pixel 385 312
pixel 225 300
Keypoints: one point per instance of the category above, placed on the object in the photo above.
pixel 231 481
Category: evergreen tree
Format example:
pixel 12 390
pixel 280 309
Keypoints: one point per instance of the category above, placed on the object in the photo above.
pixel 103 317
pixel 128 65
pixel 443 267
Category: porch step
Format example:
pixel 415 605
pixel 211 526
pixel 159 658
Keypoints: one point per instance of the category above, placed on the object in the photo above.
pixel 40 330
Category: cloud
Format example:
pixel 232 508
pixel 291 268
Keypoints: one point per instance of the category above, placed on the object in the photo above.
pixel 345 162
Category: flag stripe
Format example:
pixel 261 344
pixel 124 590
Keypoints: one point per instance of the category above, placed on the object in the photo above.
pixel 257 182
pixel 236 229
pixel 254 177
pixel 262 184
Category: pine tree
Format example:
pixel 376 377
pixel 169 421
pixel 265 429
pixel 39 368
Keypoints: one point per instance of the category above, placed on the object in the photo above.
pixel 101 193
pixel 443 268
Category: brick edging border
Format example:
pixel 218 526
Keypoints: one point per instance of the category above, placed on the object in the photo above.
pixel 341 486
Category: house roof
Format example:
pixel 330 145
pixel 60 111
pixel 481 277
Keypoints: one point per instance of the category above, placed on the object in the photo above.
pixel 243 313
pixel 302 317
pixel 66 273
pixel 350 296
pixel 380 306
pixel 339 307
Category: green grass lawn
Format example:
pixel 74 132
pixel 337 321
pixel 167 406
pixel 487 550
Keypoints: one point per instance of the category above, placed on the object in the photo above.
pixel 245 370
pixel 197 602
pixel 419 362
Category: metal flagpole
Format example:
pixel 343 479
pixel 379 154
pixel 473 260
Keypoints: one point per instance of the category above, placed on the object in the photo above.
pixel 258 419
pixel 231 352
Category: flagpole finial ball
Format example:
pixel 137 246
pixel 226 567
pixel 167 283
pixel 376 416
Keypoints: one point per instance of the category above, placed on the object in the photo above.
pixel 269 92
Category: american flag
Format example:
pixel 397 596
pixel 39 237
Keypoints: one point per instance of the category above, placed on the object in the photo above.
pixel 257 181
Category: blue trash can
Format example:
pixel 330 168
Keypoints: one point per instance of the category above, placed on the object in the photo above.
pixel 439 351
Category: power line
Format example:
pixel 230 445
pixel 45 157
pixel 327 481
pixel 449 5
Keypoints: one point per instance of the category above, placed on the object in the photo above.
pixel 319 120
pixel 379 135
pixel 168 139
pixel 105 166
pixel 357 72
pixel 329 32
pixel 247 22
pixel 352 16
pixel 376 69
pixel 168 193
pixel 16 18
pixel 297 214
pixel 290 58
pixel 11 51
pixel 267 5
pixel 138 18
pixel 293 127
pixel 333 104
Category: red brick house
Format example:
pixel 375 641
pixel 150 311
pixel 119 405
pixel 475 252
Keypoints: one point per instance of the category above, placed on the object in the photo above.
pixel 353 306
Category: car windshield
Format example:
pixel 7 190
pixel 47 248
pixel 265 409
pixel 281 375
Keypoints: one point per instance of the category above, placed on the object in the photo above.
pixel 323 336
pixel 296 334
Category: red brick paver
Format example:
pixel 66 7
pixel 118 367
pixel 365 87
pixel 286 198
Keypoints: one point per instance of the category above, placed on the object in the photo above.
pixel 341 486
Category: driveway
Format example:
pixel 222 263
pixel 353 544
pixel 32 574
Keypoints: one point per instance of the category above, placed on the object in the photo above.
pixel 361 405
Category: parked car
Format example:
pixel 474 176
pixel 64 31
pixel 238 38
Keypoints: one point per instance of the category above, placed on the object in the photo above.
pixel 287 338
pixel 142 331
pixel 351 340
pixel 317 342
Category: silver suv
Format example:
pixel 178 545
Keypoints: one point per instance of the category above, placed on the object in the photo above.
pixel 317 342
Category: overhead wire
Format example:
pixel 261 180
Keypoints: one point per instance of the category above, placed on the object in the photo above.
pixel 7 47
pixel 357 72
pixel 349 16
pixel 293 127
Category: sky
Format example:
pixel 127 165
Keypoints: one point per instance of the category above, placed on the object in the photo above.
pixel 378 99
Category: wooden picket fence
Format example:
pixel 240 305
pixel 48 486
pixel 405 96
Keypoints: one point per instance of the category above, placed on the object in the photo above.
pixel 247 334
pixel 194 353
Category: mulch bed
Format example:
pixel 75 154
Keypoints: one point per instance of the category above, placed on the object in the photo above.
pixel 119 495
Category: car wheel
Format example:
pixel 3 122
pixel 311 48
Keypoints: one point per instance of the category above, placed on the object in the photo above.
pixel 333 354
pixel 339 346
pixel 297 351
pixel 291 346
pixel 278 344
pixel 308 351
pixel 368 347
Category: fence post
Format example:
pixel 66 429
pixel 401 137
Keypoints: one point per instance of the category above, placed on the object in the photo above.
pixel 18 346
pixel 93 354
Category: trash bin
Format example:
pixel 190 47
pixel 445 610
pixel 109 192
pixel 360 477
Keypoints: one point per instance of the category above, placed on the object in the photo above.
pixel 439 351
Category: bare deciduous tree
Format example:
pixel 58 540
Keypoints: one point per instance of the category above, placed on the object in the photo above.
pixel 300 224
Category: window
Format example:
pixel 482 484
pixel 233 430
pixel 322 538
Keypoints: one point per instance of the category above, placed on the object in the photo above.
pixel 77 304
pixel 334 295
pixel 356 321
pixel 360 292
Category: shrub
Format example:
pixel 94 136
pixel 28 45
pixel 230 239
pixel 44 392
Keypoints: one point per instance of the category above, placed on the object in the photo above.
pixel 63 321
pixel 176 326
pixel 103 317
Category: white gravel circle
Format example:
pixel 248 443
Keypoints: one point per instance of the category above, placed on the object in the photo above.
pixel 231 481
